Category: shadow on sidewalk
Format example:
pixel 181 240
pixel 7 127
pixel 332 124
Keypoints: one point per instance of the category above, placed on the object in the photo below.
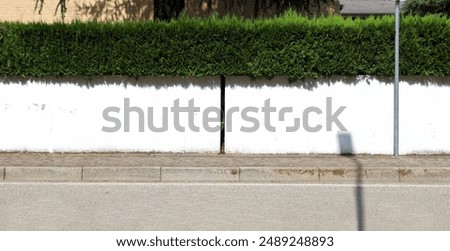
pixel 346 149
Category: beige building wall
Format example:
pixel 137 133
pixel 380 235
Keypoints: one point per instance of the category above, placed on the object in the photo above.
pixel 328 9
pixel 117 10
pixel 101 10
pixel 236 7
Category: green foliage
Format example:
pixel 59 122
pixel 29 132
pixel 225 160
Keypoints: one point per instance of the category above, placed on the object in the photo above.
pixel 424 7
pixel 290 46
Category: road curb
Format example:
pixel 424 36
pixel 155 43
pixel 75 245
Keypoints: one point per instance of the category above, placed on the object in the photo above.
pixel 350 175
pixel 359 175
pixel 32 173
pixel 121 174
pixel 199 174
pixel 419 175
pixel 280 174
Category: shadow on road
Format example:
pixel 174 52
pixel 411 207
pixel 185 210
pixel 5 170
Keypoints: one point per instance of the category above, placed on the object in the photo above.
pixel 346 149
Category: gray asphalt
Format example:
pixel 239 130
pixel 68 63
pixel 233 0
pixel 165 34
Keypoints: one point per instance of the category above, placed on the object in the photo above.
pixel 178 206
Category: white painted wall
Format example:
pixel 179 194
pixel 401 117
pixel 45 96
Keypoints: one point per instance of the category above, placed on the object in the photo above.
pixel 368 117
pixel 66 114
pixel 54 115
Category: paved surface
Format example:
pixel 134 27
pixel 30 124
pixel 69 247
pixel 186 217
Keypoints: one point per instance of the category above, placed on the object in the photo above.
pixel 223 192
pixel 192 206
pixel 223 168
pixel 214 160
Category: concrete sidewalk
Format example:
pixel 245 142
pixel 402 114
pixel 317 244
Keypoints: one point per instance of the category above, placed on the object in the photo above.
pixel 144 167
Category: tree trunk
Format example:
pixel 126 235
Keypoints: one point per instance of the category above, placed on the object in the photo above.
pixel 168 9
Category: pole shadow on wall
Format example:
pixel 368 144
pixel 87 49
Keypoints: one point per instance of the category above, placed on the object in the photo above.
pixel 346 149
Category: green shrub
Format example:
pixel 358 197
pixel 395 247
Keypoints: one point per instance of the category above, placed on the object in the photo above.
pixel 424 7
pixel 289 46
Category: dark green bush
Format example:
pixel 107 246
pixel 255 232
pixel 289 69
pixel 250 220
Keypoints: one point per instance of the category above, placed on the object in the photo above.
pixel 287 46
pixel 424 7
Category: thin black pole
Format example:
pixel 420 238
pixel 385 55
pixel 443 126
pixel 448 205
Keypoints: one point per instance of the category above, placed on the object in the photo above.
pixel 222 114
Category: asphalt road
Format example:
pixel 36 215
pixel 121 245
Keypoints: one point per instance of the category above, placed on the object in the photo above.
pixel 178 206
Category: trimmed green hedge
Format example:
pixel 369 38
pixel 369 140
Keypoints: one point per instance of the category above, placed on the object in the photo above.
pixel 290 46
pixel 424 7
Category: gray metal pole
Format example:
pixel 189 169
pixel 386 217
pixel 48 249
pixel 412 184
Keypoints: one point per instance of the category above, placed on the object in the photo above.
pixel 396 80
